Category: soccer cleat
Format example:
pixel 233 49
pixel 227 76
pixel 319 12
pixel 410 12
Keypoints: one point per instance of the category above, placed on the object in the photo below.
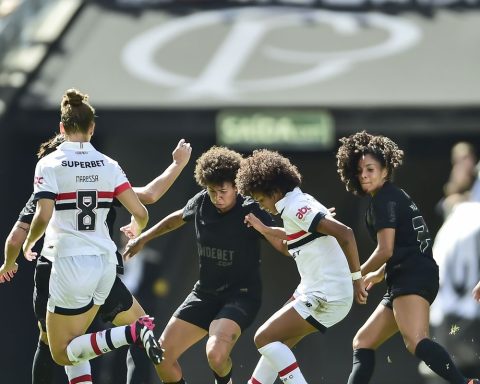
pixel 142 334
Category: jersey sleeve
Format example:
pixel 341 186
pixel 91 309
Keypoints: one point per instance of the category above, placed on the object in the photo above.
pixel 45 183
pixel 27 213
pixel 121 181
pixel 305 214
pixel 190 208
pixel 385 211
pixel 263 215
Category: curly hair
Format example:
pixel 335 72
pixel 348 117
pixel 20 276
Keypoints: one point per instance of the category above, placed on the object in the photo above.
pixel 50 145
pixel 217 166
pixel 77 114
pixel 267 172
pixel 362 143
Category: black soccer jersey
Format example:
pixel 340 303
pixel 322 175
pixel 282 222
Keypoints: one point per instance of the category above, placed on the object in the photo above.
pixel 27 213
pixel 228 250
pixel 392 207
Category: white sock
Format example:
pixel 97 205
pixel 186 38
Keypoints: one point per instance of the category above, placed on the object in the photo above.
pixel 79 374
pixel 264 373
pixel 284 362
pixel 91 345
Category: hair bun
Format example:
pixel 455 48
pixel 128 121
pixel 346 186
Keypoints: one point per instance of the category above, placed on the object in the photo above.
pixel 75 98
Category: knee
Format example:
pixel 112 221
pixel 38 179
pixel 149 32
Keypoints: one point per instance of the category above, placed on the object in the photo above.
pixel 216 358
pixel 360 341
pixel 261 338
pixel 411 342
pixel 60 357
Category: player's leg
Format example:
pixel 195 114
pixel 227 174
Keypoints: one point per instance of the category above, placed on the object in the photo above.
pixel 43 366
pixel 223 334
pixel 379 327
pixel 412 315
pixel 285 324
pixel 78 285
pixel 264 372
pixel 121 308
pixel 237 313
pixel 178 336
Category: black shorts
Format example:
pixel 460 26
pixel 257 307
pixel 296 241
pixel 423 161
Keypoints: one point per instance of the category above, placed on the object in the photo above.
pixel 119 299
pixel 416 276
pixel 201 308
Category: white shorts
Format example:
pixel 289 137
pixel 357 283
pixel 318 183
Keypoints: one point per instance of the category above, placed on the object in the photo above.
pixel 322 314
pixel 79 282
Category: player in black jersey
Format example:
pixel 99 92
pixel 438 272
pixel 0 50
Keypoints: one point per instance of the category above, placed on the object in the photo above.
pixel 121 307
pixel 226 298
pixel 403 257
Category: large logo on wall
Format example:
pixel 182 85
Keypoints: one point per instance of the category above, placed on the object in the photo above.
pixel 235 52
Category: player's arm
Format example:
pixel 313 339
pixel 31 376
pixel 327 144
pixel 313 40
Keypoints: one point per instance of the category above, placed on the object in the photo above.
pixel 13 246
pixel 129 199
pixel 276 236
pixel 167 224
pixel 154 190
pixel 42 217
pixel 346 239
pixel 383 251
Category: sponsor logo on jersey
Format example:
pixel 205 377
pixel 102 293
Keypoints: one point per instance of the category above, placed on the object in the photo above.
pixel 83 164
pixel 302 212
pixel 224 257
pixel 38 180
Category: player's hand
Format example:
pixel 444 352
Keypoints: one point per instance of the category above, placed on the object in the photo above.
pixel 253 221
pixel 132 248
pixel 132 229
pixel 332 211
pixel 372 278
pixel 27 251
pixel 7 272
pixel 181 153
pixel 360 293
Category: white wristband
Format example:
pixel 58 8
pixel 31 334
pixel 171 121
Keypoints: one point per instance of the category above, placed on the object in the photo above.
pixel 356 275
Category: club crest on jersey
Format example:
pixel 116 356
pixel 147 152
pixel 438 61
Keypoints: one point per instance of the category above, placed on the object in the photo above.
pixel 302 212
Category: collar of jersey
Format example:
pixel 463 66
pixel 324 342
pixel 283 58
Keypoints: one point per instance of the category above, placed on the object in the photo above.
pixel 76 146
pixel 282 203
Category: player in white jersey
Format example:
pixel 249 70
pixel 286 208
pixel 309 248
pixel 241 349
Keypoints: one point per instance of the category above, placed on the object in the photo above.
pixel 75 187
pixel 121 307
pixel 326 255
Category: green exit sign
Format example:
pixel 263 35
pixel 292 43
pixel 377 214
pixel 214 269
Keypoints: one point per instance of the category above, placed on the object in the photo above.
pixel 276 129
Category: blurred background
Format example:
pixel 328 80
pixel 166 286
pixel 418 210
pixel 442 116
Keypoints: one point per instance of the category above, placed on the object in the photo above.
pixel 290 75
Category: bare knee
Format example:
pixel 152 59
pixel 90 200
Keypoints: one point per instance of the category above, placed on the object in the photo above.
pixel 412 342
pixel 216 355
pixel 60 357
pixel 361 340
pixel 261 338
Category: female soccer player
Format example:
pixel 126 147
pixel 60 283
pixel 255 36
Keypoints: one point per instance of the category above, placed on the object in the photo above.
pixel 226 298
pixel 75 187
pixel 403 257
pixel 120 307
pixel 326 255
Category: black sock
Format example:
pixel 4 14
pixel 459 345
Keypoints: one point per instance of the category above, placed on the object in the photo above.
pixel 139 366
pixel 222 379
pixel 43 365
pixel 362 366
pixel 439 361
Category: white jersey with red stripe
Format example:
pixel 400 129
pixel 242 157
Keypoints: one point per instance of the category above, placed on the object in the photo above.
pixel 83 182
pixel 322 265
